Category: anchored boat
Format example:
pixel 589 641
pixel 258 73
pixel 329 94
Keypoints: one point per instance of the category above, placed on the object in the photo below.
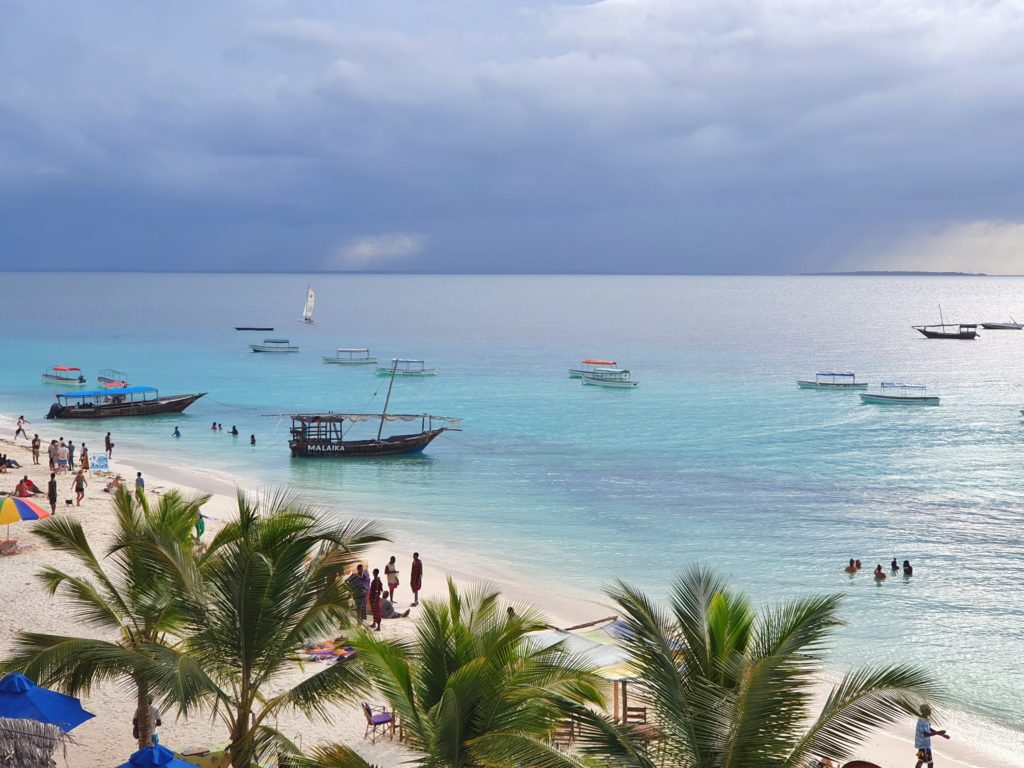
pixel 357 356
pixel 609 377
pixel 123 401
pixel 833 380
pixel 1013 325
pixel 900 394
pixel 68 375
pixel 307 311
pixel 590 365
pixel 274 345
pixel 962 331
pixel 401 366
pixel 324 434
pixel 109 378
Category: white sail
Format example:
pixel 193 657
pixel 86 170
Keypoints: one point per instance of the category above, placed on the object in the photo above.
pixel 307 313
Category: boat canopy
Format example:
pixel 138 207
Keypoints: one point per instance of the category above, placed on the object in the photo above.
pixel 65 368
pixel 406 360
pixel 835 373
pixel 275 341
pixel 353 349
pixel 599 362
pixel 321 418
pixel 899 385
pixel 109 392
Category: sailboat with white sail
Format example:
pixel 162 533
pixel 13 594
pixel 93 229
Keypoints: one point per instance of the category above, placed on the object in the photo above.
pixel 307 311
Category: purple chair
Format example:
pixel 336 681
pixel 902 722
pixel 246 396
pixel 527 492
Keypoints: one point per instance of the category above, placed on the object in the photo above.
pixel 378 720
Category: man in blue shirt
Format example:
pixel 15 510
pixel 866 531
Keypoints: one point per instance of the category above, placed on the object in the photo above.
pixel 923 737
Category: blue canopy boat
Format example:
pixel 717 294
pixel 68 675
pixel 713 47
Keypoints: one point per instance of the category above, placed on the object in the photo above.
pixel 118 401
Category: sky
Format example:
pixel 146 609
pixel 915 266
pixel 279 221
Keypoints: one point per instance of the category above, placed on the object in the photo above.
pixel 649 136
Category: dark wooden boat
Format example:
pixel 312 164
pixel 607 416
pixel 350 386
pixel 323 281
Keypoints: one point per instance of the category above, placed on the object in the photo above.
pixel 117 402
pixel 963 331
pixel 324 434
pixel 252 328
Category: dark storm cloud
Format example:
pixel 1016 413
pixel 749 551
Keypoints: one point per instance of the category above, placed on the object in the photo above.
pixel 625 135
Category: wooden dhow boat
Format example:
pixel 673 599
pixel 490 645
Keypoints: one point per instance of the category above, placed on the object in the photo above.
pixel 68 375
pixel 833 380
pixel 116 402
pixel 324 434
pixel 892 393
pixel 962 331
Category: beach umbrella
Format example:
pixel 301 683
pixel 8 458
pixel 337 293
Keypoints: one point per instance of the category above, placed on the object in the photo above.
pixel 157 755
pixel 20 698
pixel 14 510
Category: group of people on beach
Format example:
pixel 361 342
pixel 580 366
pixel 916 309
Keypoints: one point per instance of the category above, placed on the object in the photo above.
pixel 880 575
pixel 372 599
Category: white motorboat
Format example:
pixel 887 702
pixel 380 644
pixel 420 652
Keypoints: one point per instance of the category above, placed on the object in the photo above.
pixel 892 393
pixel 610 377
pixel 274 345
pixel 356 356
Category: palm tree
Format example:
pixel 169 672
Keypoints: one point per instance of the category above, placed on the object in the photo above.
pixel 472 691
pixel 269 585
pixel 734 688
pixel 128 596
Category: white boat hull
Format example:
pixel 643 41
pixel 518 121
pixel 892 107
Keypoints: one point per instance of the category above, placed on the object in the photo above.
pixel 337 361
pixel 262 348
pixel 898 399
pixel 613 384
pixel 63 382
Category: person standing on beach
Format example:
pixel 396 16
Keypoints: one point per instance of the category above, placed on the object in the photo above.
pixel 51 493
pixel 22 421
pixel 200 526
pixel 357 585
pixel 62 457
pixel 140 486
pixel 78 484
pixel 36 443
pixel 376 589
pixel 108 445
pixel 391 574
pixel 83 462
pixel 52 451
pixel 415 578
pixel 923 737
pixel 71 454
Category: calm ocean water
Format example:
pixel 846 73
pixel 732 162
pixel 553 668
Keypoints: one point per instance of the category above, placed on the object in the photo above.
pixel 715 457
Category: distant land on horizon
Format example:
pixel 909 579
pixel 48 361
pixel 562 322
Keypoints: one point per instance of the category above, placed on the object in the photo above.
pixel 896 273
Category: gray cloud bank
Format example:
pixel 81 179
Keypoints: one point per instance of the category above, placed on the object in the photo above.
pixel 721 136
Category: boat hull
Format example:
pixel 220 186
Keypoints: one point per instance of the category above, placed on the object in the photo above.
pixel 611 383
pixel 171 404
pixel 272 350
pixel 397 445
pixel 1002 326
pixel 898 399
pixel 252 328
pixel 820 385
pixel 961 335
pixel 76 382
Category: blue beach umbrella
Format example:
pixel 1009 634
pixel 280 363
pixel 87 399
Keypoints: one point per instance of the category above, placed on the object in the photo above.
pixel 21 699
pixel 157 755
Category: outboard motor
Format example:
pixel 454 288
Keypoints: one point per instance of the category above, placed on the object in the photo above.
pixel 55 411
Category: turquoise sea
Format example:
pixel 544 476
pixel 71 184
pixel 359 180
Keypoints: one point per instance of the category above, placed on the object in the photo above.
pixel 715 457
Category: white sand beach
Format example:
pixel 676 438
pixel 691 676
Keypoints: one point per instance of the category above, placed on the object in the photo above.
pixel 107 739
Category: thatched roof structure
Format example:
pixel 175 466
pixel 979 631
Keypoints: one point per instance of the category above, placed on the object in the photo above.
pixel 28 743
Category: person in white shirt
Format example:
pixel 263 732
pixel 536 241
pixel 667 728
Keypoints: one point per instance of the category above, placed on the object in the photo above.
pixel 923 737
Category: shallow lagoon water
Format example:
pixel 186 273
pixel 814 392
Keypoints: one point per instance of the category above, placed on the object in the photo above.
pixel 716 456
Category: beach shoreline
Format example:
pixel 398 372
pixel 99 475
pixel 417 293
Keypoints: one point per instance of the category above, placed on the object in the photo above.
pixel 563 608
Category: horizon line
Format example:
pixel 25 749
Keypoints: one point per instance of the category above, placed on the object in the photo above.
pixel 852 273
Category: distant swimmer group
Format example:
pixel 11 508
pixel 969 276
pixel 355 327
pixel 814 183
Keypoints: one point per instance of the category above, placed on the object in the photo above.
pixel 215 426
pixel 879 574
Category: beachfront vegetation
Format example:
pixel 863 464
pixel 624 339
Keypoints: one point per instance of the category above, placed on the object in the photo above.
pixel 471 690
pixel 126 594
pixel 743 691
pixel 267 588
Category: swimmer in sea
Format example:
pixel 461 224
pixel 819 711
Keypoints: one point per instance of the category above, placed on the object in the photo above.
pixel 879 573
pixel 894 566
pixel 175 434
pixel 908 569
pixel 252 439
pixel 234 431
pixel 851 568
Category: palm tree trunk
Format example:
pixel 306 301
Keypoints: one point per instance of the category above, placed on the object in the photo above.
pixel 142 719
pixel 241 748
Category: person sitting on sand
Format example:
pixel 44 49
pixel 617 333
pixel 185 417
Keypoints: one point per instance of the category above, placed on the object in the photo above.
pixel 31 487
pixel 21 491
pixel 879 573
pixel 851 568
pixel 908 569
pixel 388 609
pixel 113 485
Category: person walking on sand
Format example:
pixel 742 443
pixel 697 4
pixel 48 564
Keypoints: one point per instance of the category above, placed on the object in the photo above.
pixel 391 574
pixel 200 526
pixel 376 589
pixel 923 737
pixel 140 486
pixel 415 578
pixel 358 585
pixel 108 445
pixel 22 421
pixel 36 443
pixel 51 493
pixel 79 484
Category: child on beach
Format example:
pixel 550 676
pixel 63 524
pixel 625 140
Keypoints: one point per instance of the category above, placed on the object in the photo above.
pixel 22 421
pixel 923 737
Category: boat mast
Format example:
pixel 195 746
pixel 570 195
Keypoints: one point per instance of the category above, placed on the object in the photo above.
pixel 394 369
pixel 941 318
